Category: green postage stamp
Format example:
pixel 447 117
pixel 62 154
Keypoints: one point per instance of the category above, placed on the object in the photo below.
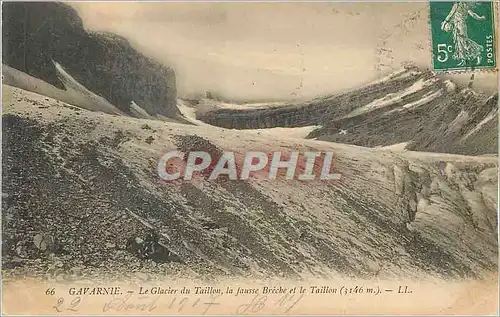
pixel 463 35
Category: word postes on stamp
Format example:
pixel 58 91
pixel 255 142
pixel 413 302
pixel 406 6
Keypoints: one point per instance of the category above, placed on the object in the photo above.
pixel 463 35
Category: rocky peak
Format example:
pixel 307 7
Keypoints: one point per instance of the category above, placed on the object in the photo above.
pixel 34 34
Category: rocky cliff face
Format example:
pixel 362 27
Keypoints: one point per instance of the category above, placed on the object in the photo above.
pixel 36 33
pixel 411 106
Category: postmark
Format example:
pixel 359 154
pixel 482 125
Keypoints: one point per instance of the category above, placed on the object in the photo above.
pixel 463 36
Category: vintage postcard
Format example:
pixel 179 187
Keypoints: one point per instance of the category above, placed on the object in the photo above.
pixel 249 158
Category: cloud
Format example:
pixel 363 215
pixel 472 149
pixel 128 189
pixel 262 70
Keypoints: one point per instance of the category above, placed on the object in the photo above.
pixel 233 46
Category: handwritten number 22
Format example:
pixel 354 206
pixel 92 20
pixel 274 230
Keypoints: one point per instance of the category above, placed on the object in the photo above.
pixel 60 308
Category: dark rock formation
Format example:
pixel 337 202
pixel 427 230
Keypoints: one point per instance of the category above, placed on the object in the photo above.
pixel 36 33
pixel 435 116
pixel 314 112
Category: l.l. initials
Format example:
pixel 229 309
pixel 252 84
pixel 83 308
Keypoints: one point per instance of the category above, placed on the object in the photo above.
pixel 404 290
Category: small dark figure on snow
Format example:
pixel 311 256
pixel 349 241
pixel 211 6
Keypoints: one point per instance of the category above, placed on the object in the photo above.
pixel 144 248
pixel 151 243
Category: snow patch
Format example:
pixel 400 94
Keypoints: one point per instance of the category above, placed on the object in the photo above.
pixel 393 98
pixel 486 119
pixel 294 133
pixel 425 99
pixel 398 74
pixel 189 114
pixel 215 105
pixel 87 99
pixel 138 112
pixel 459 122
pixel 398 147
pixel 450 86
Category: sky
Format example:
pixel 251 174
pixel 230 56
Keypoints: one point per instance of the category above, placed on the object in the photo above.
pixel 273 51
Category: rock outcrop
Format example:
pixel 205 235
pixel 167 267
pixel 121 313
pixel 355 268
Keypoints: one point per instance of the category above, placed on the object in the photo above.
pixel 410 106
pixel 37 33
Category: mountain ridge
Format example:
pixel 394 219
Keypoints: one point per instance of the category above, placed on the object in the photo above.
pixel 409 105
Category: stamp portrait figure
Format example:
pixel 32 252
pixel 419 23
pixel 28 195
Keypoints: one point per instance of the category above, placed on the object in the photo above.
pixel 456 22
